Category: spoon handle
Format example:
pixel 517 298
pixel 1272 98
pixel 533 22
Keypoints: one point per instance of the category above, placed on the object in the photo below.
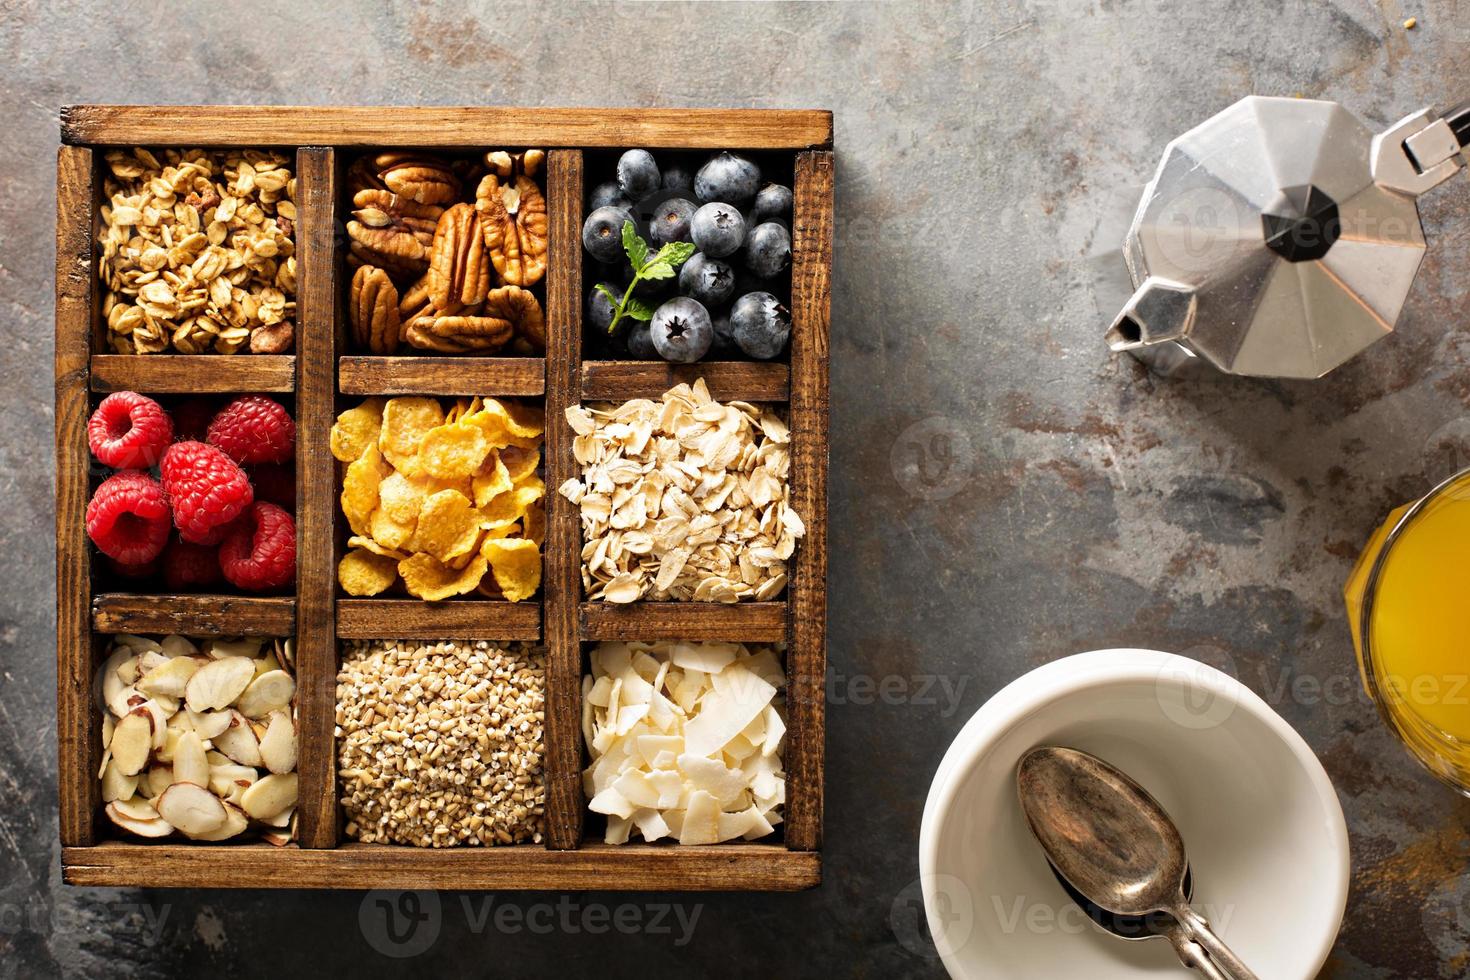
pixel 1193 955
pixel 1194 927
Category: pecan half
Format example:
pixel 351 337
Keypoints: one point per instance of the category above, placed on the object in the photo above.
pixel 513 219
pixel 521 309
pixel 460 334
pixel 458 272
pixel 392 232
pixel 373 311
pixel 273 339
pixel 505 164
pixel 424 179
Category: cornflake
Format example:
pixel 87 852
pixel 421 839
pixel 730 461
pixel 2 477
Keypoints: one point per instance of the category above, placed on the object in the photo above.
pixel 198 251
pixel 683 498
pixel 685 740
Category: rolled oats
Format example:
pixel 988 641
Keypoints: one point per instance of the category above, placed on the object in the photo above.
pixel 683 498
pixel 197 251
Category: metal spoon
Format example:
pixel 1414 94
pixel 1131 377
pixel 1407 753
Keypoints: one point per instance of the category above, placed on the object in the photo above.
pixel 1116 846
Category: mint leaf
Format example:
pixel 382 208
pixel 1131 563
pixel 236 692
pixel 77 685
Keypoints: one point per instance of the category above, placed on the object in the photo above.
pixel 638 309
pixel 611 296
pixel 656 269
pixel 636 247
pixel 675 253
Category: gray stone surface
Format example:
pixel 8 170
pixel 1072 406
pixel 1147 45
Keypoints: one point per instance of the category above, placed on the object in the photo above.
pixel 978 145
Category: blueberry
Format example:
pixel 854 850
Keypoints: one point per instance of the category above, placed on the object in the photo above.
pixel 602 234
pixel 671 221
pixel 761 325
pixel 678 178
pixel 640 342
pixel 648 288
pixel 600 309
pixel 773 201
pixel 767 249
pixel 728 178
pixel 682 330
pixel 637 174
pixel 718 230
pixel 711 281
pixel 609 195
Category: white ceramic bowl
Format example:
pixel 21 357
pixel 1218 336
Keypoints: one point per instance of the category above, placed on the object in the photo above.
pixel 1261 822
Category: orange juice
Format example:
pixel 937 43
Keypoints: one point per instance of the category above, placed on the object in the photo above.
pixel 1408 603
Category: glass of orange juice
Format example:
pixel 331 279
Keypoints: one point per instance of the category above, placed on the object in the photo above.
pixel 1408 602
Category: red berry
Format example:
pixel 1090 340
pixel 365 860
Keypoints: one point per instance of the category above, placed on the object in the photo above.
pixel 259 552
pixel 254 429
pixel 146 570
pixel 274 482
pixel 129 431
pixel 206 488
pixel 192 418
pixel 127 518
pixel 187 567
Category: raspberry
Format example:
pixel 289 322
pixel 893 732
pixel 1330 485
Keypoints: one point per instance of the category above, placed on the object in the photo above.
pixel 190 566
pixel 127 518
pixel 146 570
pixel 259 552
pixel 273 482
pixel 206 488
pixel 254 429
pixel 192 418
pixel 129 431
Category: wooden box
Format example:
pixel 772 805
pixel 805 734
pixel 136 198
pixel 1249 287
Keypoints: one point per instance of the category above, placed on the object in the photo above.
pixel 317 375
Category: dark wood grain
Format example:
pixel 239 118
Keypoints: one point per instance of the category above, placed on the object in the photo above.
pixel 562 579
pixel 183 374
pixel 75 709
pixel 806 645
pixel 316 503
pixel 194 615
pixel 454 126
pixel 746 622
pixel 632 867
pixel 413 619
pixel 524 376
pixel 750 381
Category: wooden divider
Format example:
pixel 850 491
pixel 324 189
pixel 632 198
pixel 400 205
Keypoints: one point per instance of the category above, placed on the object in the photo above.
pixel 80 794
pixel 316 498
pixel 561 580
pixel 806 644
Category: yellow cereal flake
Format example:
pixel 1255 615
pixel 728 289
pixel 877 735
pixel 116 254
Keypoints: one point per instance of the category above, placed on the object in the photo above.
pixel 535 523
pixel 518 462
pixel 402 498
pixel 488 485
pixel 356 429
pixel 362 572
pixel 365 542
pixel 448 526
pixel 388 532
pixel 428 578
pixel 406 421
pixel 453 452
pixel 516 565
pixel 510 506
pixel 360 488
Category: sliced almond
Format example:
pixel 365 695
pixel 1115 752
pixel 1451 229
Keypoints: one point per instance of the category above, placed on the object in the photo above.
pixel 171 678
pixel 210 723
pixel 170 740
pixel 217 684
pixel 116 786
pixel 276 837
pixel 158 779
pixel 191 808
pixel 137 644
pixel 127 671
pixel 267 663
pixel 178 646
pixel 269 692
pixel 234 825
pixel 243 647
pixel 132 741
pixel 136 809
pixel 230 781
pixel 270 796
pixel 278 745
pixel 107 726
pixel 190 764
pixel 160 722
pixel 238 742
pixel 281 820
pixel 156 827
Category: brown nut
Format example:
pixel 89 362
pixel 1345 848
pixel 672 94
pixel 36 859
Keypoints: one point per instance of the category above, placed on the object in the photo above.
pixel 373 311
pixel 273 339
pixel 459 334
pixel 363 176
pixel 513 219
pixel 521 309
pixel 458 273
pixel 424 179
pixel 505 164
pixel 392 232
